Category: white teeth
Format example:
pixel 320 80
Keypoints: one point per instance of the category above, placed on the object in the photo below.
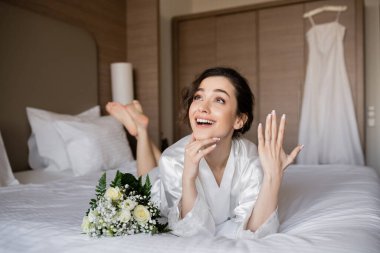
pixel 205 121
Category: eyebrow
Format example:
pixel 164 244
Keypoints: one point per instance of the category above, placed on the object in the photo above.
pixel 216 90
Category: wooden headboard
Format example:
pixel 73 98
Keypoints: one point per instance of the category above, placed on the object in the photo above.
pixel 45 64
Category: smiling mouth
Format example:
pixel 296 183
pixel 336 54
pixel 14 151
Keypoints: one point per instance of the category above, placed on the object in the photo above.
pixel 204 122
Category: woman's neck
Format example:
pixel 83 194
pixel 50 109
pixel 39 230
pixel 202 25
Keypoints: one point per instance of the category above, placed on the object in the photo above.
pixel 218 158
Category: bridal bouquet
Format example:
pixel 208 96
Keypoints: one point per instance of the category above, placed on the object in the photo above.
pixel 124 208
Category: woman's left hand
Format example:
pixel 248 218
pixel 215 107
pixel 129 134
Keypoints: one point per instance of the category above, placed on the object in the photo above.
pixel 272 155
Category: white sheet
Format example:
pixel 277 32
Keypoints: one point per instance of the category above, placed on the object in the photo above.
pixel 42 176
pixel 322 209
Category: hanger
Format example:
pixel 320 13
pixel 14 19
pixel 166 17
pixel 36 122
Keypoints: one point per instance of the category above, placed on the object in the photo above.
pixel 318 10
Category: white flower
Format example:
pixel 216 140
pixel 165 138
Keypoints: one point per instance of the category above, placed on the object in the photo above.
pixel 141 214
pixel 113 193
pixel 92 215
pixel 128 204
pixel 124 215
pixel 86 225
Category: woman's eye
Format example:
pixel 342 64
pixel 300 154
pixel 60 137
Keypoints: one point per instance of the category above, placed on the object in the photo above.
pixel 196 97
pixel 220 100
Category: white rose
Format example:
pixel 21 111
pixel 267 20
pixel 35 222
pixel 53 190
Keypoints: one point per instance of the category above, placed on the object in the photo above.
pixel 113 193
pixel 128 204
pixel 141 214
pixel 86 225
pixel 124 215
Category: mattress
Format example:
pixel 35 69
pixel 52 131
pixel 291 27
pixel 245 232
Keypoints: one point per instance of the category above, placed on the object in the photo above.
pixel 326 208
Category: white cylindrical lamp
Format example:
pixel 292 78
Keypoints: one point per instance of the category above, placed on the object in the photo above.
pixel 122 82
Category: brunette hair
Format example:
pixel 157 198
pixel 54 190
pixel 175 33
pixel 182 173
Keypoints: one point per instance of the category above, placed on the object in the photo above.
pixel 244 96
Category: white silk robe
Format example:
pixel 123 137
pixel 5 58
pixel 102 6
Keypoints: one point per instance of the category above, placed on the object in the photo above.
pixel 219 210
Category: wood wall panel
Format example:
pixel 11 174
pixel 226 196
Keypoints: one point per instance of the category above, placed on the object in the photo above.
pixel 143 53
pixel 197 46
pixel 281 67
pixel 104 19
pixel 236 47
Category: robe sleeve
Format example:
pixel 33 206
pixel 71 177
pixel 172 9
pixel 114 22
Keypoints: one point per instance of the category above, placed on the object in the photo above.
pixel 199 220
pixel 250 180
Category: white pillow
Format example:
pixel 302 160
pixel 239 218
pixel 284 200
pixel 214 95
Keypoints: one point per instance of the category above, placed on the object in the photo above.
pixel 36 161
pixel 95 145
pixel 6 174
pixel 46 147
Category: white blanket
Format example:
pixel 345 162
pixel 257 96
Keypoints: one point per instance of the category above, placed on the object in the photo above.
pixel 322 209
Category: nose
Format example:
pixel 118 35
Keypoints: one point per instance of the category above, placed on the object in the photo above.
pixel 203 107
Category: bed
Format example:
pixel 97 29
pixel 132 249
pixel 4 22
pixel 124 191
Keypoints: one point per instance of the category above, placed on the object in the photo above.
pixel 322 208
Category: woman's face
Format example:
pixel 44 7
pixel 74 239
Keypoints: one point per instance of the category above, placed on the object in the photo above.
pixel 213 110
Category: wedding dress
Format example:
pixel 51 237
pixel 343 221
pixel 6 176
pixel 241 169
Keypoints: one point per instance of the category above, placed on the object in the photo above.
pixel 328 126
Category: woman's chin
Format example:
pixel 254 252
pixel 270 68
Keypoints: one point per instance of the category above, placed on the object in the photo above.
pixel 202 136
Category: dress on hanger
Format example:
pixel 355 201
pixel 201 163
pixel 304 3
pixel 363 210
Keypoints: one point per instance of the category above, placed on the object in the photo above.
pixel 328 127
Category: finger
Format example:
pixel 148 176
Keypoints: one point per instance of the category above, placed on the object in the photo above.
pixel 207 142
pixel 203 152
pixel 260 136
pixel 201 144
pixel 268 129
pixel 274 128
pixel 281 131
pixel 292 156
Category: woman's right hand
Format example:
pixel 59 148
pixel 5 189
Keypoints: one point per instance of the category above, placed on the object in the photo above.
pixel 195 150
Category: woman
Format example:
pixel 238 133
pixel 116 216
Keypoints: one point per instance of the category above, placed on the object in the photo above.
pixel 214 181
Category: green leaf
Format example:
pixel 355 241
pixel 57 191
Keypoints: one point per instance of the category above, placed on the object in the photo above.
pixel 140 183
pixel 162 228
pixel 130 180
pixel 93 205
pixel 100 190
pixel 141 188
pixel 147 186
pixel 102 186
pixel 117 182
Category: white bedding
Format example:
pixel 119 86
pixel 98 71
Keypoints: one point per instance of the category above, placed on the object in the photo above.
pixel 41 176
pixel 322 209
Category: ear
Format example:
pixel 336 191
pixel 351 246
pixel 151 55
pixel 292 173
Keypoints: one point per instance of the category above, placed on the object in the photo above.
pixel 240 121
